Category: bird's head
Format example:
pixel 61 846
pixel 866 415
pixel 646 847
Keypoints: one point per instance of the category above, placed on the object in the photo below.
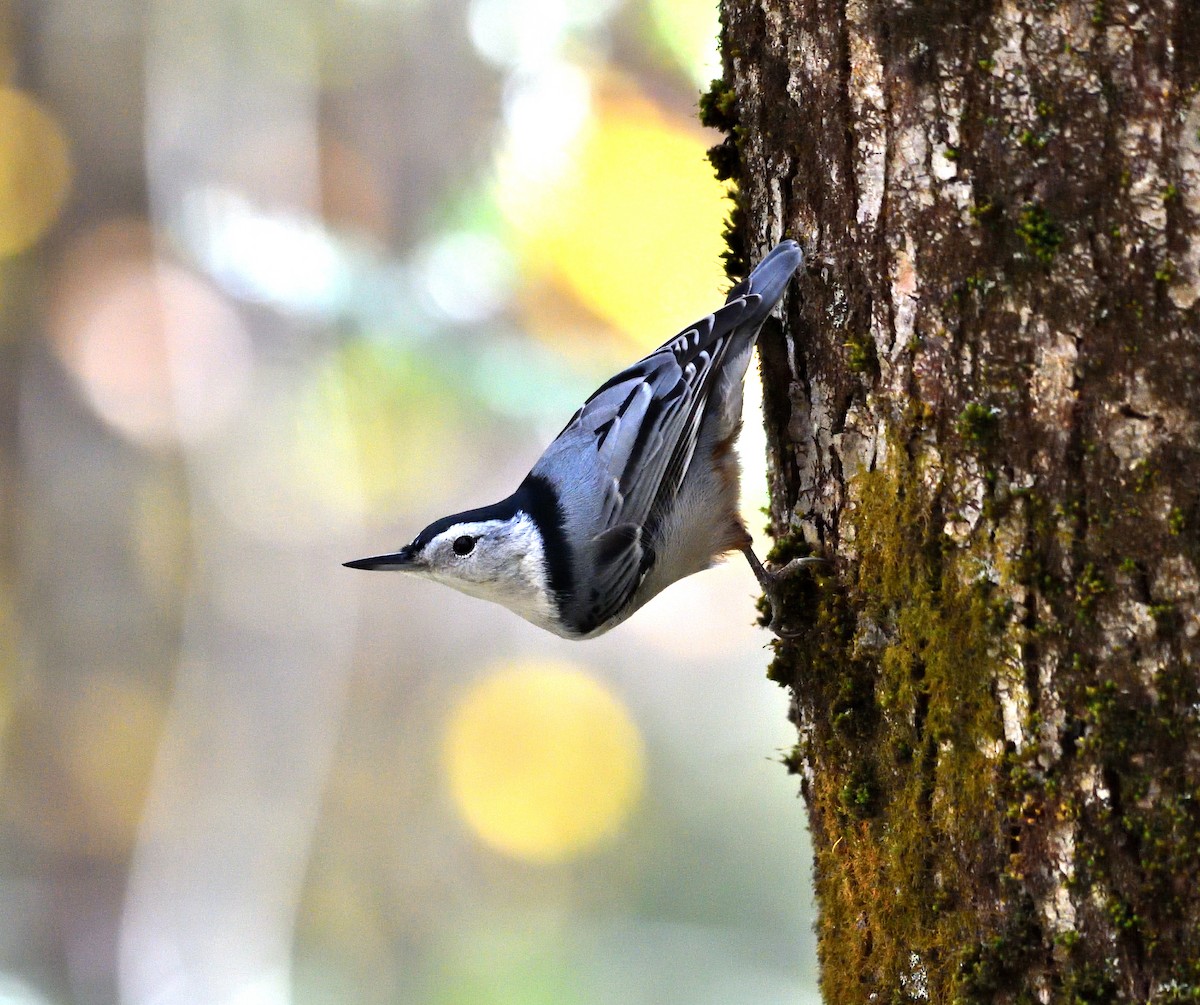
pixel 484 553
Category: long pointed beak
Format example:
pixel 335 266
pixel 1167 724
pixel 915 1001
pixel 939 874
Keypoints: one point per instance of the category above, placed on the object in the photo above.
pixel 402 559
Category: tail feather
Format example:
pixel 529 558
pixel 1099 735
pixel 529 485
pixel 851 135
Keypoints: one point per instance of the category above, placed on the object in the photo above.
pixel 771 276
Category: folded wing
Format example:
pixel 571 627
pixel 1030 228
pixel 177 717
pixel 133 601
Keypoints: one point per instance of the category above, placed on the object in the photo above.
pixel 643 426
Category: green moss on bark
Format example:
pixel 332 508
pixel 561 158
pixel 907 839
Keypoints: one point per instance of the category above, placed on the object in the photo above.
pixel 719 110
pixel 906 740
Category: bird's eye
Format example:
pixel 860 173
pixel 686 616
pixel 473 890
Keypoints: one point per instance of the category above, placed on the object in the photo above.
pixel 464 545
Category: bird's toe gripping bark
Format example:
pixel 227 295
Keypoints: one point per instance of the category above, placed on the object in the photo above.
pixel 772 580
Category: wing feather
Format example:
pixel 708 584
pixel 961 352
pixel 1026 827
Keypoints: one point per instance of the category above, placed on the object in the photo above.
pixel 646 422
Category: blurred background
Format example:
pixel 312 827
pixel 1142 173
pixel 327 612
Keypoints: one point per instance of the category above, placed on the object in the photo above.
pixel 280 282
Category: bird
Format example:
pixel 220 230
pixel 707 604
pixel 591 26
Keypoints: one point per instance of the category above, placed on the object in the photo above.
pixel 639 490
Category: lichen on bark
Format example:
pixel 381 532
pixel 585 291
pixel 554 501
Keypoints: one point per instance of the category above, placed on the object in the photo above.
pixel 984 407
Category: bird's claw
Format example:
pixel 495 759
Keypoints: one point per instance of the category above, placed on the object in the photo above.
pixel 770 581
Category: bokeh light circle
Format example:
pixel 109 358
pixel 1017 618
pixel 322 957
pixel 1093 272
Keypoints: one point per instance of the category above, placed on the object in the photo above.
pixel 633 227
pixel 544 762
pixel 35 171
pixel 161 355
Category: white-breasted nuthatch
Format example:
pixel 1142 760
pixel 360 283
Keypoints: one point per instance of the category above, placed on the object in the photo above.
pixel 639 490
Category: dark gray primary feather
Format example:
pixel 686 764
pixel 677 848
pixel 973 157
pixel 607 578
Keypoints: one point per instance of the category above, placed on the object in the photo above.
pixel 621 459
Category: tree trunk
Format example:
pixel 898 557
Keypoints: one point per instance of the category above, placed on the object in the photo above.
pixel 984 408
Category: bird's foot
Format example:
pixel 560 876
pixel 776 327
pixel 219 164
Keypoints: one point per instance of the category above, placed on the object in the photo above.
pixel 771 581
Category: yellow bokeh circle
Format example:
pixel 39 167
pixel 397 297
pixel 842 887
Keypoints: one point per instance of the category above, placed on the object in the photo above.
pixel 35 171
pixel 633 228
pixel 544 762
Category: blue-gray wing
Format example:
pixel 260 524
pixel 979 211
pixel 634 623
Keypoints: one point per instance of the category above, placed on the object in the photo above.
pixel 643 427
pixel 628 449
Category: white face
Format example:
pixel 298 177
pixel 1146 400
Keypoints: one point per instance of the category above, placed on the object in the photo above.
pixel 474 552
pixel 497 560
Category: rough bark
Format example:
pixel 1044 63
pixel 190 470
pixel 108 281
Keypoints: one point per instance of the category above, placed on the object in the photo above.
pixel 984 406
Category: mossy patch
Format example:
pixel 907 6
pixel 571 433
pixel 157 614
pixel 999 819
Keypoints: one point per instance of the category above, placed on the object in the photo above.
pixel 860 354
pixel 719 110
pixel 718 106
pixel 977 424
pixel 1040 233
pixel 898 661
pixel 928 826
